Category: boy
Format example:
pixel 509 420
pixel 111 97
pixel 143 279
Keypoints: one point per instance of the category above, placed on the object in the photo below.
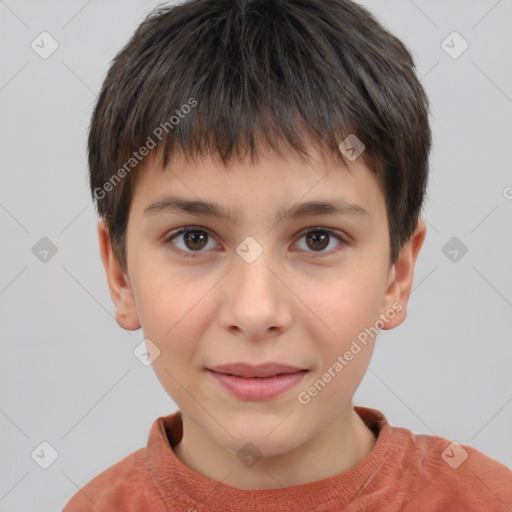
pixel 230 138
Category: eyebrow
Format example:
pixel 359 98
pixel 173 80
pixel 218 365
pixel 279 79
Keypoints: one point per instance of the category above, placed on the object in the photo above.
pixel 309 208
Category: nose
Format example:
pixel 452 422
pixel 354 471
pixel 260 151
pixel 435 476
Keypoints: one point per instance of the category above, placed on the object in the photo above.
pixel 256 303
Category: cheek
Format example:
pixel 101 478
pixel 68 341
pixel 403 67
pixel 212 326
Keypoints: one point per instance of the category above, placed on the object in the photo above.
pixel 174 314
pixel 346 304
pixel 163 298
pixel 154 303
pixel 344 354
pixel 350 308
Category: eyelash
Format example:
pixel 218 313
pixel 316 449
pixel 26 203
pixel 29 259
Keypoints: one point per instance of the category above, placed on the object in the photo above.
pixel 174 234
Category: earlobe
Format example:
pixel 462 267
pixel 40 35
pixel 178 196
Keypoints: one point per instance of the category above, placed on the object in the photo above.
pixel 119 285
pixel 401 278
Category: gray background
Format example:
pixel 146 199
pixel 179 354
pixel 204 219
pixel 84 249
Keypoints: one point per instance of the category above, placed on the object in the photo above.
pixel 68 374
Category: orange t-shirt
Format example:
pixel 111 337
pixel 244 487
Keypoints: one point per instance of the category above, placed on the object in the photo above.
pixel 404 472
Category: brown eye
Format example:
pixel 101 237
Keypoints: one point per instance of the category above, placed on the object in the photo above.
pixel 317 240
pixel 195 240
pixel 187 241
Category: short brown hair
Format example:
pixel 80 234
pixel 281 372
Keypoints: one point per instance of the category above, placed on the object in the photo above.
pixel 254 72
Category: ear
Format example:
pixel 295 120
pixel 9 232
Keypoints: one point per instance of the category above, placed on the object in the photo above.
pixel 400 279
pixel 119 285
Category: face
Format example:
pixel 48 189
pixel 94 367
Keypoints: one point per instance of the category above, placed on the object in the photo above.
pixel 264 281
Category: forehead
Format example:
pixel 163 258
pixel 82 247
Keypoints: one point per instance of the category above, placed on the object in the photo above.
pixel 279 183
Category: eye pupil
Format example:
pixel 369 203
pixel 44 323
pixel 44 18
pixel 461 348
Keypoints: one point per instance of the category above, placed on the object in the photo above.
pixel 315 237
pixel 195 237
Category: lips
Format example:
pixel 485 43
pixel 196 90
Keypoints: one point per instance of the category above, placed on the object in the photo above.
pixel 259 371
pixel 257 383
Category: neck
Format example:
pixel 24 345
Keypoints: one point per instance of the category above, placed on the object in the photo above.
pixel 341 446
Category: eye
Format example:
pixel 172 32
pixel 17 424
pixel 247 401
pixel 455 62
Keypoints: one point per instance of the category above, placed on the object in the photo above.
pixel 193 241
pixel 320 238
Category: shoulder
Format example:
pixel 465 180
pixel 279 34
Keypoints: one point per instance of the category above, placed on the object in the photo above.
pixel 124 486
pixel 444 475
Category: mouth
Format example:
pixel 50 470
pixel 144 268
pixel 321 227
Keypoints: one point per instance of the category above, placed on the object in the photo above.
pixel 257 383
pixel 256 371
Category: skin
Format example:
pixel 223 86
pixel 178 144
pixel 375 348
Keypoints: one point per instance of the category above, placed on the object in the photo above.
pixel 300 303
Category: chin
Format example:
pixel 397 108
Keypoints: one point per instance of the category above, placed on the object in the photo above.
pixel 257 441
pixel 260 446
